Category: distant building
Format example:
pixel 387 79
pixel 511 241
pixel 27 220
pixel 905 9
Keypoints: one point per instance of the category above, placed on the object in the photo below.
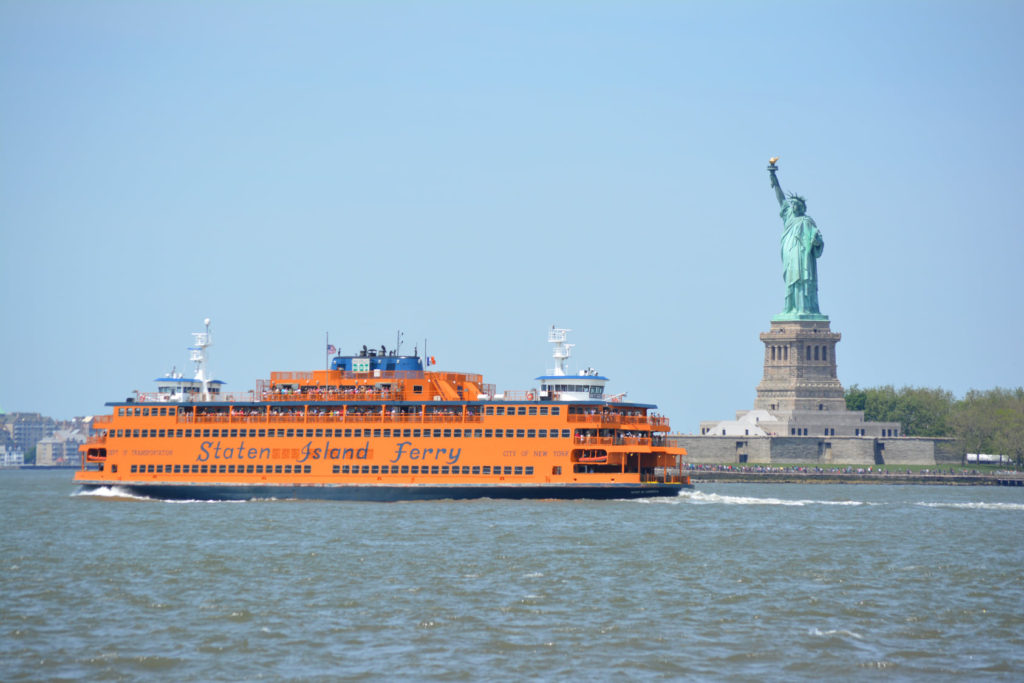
pixel 60 449
pixel 28 429
pixel 11 458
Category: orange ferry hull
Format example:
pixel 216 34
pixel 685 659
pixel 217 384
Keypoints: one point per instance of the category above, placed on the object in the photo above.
pixel 377 493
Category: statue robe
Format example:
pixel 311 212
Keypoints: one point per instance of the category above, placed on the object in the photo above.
pixel 802 244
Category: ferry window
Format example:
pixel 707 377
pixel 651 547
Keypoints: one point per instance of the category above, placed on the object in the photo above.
pixel 500 410
pixel 489 410
pixel 113 468
pixel 135 468
pixel 416 433
pixel 531 433
pixel 406 432
pixel 120 411
pixel 437 433
pixel 163 433
pixel 357 433
pixel 415 469
pixel 319 432
pixel 522 410
pixel 177 469
pixel 366 469
pixel 376 433
pixel 188 433
pixel 145 411
pixel 178 433
pixel 163 411
pixel 488 433
pixel 387 433
pixel 287 469
pixel 262 432
pixel 476 469
pixel 405 469
pixel 417 388
pixel 478 433
pixel 160 468
pixel 259 469
pixel 529 469
pixel 465 469
pixel 348 432
pixel 519 469
pixel 290 432
pixel 151 468
pixel 520 433
pixel 433 469
pixel 555 410
pixel 206 432
pixel 447 433
pixel 202 470
pixel 135 433
pixel 544 410
pixel 234 432
pixel 336 469
pixel 542 433
pixel 508 469
pixel 375 469
pixel 248 469
pixel 231 469
pixel 498 433
pixel 138 411
pixel 329 432
pixel 487 469
pixel 565 433
pixel 344 469
pixel 444 469
pixel 145 433
pixel 533 410
pixel 457 433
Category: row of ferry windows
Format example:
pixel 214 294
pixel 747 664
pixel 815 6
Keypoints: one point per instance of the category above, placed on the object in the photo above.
pixel 337 469
pixel 349 432
pixel 489 410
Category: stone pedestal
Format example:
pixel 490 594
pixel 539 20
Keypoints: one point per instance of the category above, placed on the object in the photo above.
pixel 800 369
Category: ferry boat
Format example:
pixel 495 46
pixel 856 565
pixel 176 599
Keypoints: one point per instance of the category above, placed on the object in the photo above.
pixel 381 426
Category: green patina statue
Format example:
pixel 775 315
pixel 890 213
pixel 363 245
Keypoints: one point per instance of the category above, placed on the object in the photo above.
pixel 802 244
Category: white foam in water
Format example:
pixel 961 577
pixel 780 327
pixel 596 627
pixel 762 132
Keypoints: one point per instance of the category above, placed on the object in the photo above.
pixel 975 506
pixel 834 632
pixel 110 492
pixel 701 498
pixel 121 492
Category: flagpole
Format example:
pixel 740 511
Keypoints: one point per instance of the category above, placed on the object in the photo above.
pixel 327 353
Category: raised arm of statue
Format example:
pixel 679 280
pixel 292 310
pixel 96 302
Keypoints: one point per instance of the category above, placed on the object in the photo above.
pixel 772 168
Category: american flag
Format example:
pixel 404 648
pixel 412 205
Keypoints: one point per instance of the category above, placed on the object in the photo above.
pixel 331 349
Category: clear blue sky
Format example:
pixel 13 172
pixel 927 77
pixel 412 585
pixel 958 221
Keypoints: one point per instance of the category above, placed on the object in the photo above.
pixel 472 173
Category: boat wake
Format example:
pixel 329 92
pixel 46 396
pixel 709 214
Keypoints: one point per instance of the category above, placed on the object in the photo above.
pixel 975 506
pixel 702 498
pixel 126 494
pixel 109 492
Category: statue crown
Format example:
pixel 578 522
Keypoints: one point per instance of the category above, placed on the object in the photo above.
pixel 795 197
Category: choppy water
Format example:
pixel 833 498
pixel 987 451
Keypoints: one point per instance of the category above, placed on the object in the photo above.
pixel 738 581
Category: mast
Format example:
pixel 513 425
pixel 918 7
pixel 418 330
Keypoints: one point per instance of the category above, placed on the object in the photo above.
pixel 561 352
pixel 202 342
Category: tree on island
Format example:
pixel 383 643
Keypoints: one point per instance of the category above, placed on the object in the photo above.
pixel 989 421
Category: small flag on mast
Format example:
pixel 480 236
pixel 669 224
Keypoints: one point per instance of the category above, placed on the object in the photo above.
pixel 331 349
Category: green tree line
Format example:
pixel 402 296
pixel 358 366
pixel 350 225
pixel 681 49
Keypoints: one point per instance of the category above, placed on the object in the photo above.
pixel 989 421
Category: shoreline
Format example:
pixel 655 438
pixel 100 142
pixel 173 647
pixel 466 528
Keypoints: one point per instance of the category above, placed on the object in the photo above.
pixel 699 476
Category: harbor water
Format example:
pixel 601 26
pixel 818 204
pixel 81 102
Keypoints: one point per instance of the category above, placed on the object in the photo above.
pixel 729 581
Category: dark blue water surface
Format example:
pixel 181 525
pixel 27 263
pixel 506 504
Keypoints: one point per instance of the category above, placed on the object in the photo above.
pixel 738 581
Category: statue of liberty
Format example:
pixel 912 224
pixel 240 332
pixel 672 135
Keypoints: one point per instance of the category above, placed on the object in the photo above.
pixel 802 244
